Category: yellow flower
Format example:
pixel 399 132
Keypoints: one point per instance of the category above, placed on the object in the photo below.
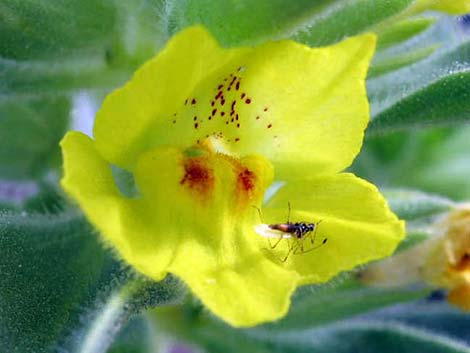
pixel 454 7
pixel 204 130
pixel 443 261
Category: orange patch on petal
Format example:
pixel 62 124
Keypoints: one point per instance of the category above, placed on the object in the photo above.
pixel 198 176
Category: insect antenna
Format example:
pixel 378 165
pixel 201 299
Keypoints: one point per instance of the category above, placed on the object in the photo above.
pixel 288 213
pixel 314 235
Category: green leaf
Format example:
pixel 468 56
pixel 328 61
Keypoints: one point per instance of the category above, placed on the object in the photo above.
pixel 346 18
pixel 445 102
pixel 412 204
pixel 60 288
pixel 38 29
pixel 319 305
pixel 400 31
pixel 26 79
pixel 236 22
pixel 381 66
pixel 30 131
pixel 411 327
pixel 431 92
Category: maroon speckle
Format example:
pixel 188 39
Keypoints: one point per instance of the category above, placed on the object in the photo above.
pixel 238 125
pixel 196 125
pixel 212 103
pixel 232 112
pixel 218 95
pixel 237 86
pixel 257 118
pixel 226 123
pixel 222 102
pixel 243 95
pixel 248 101
pixel 222 113
pixel 236 117
pixel 233 104
pixel 214 111
pixel 265 109
pixel 237 139
pixel 220 87
pixel 270 126
pixel 232 120
pixel 210 118
pixel 193 101
pixel 195 118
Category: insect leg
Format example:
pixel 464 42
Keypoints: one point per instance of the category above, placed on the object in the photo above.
pixel 311 249
pixel 276 243
pixel 259 212
pixel 291 247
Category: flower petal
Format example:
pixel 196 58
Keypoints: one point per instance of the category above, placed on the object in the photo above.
pixel 245 291
pixel 202 203
pixel 125 224
pixel 293 104
pixel 311 103
pixel 354 218
pixel 140 114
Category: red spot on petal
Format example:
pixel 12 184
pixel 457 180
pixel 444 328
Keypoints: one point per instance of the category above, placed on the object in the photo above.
pixel 270 126
pixel 238 125
pixel 198 176
pixel 212 103
pixel 222 113
pixel 196 125
pixel 237 139
pixel 243 95
pixel 214 111
pixel 193 101
pixel 186 101
pixel 220 87
pixel 257 118
pixel 265 109
pixel 237 86
pixel 246 180
pixel 248 101
pixel 195 118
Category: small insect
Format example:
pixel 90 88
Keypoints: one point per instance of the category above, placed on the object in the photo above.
pixel 298 232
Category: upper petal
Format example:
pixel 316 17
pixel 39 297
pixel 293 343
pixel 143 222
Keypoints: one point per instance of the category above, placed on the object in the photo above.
pixel 293 104
pixel 354 218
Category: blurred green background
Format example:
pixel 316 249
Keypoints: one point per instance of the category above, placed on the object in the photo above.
pixel 61 291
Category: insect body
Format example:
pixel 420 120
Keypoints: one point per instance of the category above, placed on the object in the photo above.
pixel 299 230
pixel 296 233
